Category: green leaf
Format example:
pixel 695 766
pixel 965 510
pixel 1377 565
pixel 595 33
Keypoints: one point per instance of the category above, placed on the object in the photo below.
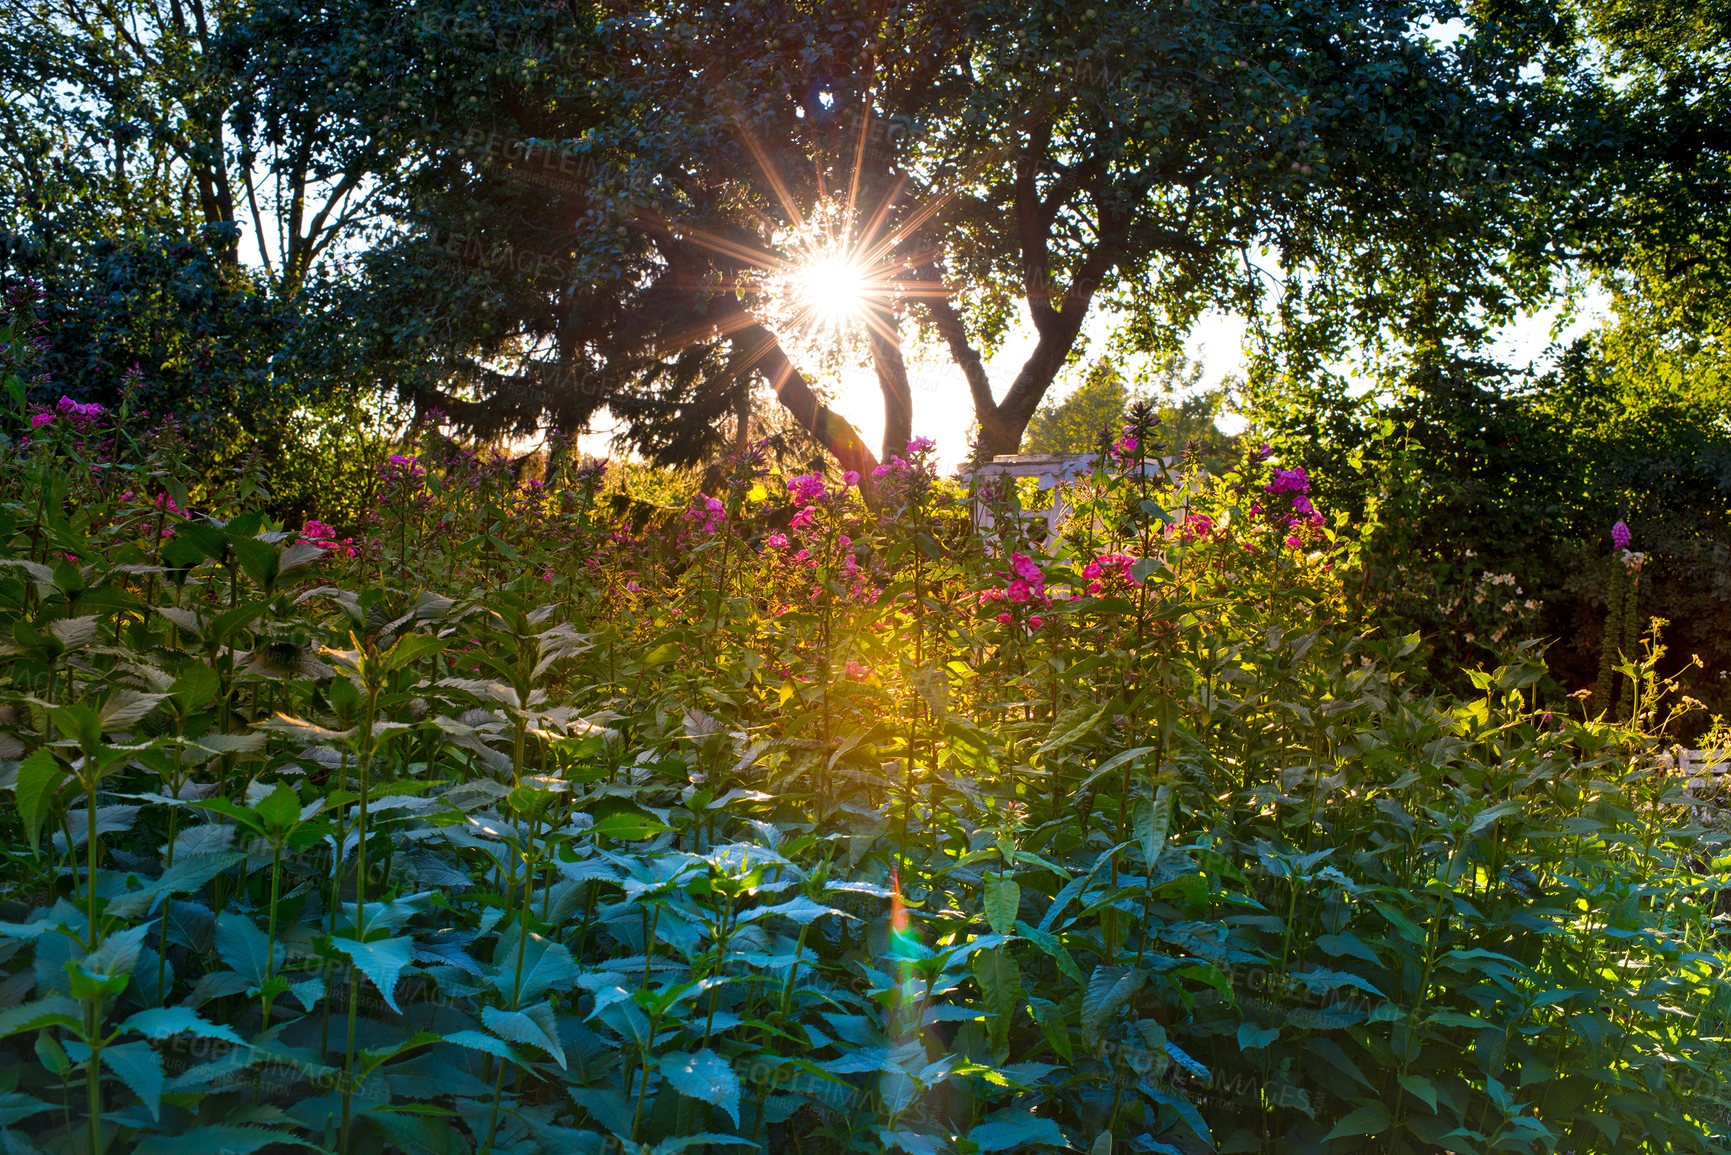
pixel 55 1011
pixel 1348 943
pixel 409 648
pixel 16 1106
pixel 244 947
pixel 1008 1130
pixel 1251 1037
pixel 164 1022
pixel 217 1139
pixel 532 1025
pixel 1109 988
pixel 140 1068
pixel 380 961
pixel 487 1044
pixel 801 910
pixel 117 953
pixel 1003 898
pixel 706 1076
pixel 1421 1089
pixel 39 779
pixel 1000 980
pixel 1153 820
pixel 280 809
pixel 703 1140
pixel 661 655
pixel 628 827
pixel 1370 1119
pixel 547 965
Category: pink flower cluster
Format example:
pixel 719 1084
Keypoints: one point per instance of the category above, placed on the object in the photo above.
pixel 1296 483
pixel 705 513
pixel 1108 567
pixel 1026 587
pixel 66 407
pixel 807 488
pixel 1197 525
pixel 897 464
pixel 323 536
pixel 401 466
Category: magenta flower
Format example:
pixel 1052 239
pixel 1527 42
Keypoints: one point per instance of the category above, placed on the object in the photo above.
pixel 775 541
pixel 38 420
pixel 1620 536
pixel 1036 621
pixel 921 445
pixel 807 488
pixel 857 671
pixel 804 517
pixel 1026 569
pixel 851 477
pixel 1018 591
pixel 72 409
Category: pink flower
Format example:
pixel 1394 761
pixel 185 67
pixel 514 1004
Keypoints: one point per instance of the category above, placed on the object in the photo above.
pixel 1620 536
pixel 1004 619
pixel 631 587
pixel 851 477
pixel 775 541
pixel 921 445
pixel 317 530
pixel 1092 571
pixel 857 671
pixel 128 495
pixel 1025 567
pixel 807 488
pixel 72 409
pixel 1018 591
pixel 804 517
pixel 1294 542
pixel 38 420
pixel 1289 481
pixel 547 574
pixel 1036 621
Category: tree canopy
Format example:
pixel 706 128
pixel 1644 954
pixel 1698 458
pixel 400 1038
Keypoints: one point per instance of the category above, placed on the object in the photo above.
pixel 615 206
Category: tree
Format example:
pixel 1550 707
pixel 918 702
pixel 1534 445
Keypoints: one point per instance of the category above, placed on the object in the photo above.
pixel 1188 414
pixel 644 189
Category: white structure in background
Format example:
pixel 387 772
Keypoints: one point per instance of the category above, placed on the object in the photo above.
pixel 1052 471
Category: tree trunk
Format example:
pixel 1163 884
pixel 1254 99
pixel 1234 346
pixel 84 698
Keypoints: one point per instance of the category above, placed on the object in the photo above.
pixel 832 430
pixel 892 373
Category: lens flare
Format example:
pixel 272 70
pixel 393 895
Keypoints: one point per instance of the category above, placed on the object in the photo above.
pixel 833 288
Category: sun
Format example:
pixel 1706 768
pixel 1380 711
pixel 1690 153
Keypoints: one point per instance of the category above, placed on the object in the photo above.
pixel 833 288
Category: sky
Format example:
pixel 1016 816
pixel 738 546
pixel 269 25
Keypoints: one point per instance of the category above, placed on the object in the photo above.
pixel 943 410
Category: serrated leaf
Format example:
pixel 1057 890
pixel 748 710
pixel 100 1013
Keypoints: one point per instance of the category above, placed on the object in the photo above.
pixel 547 965
pixel 218 1139
pixel 39 779
pixel 55 1011
pixel 801 910
pixel 164 1022
pixel 140 1068
pixel 705 1076
pixel 382 961
pixel 244 948
pixel 532 1025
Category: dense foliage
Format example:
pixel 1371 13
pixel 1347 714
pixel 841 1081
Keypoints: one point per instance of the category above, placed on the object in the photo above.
pixel 492 823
